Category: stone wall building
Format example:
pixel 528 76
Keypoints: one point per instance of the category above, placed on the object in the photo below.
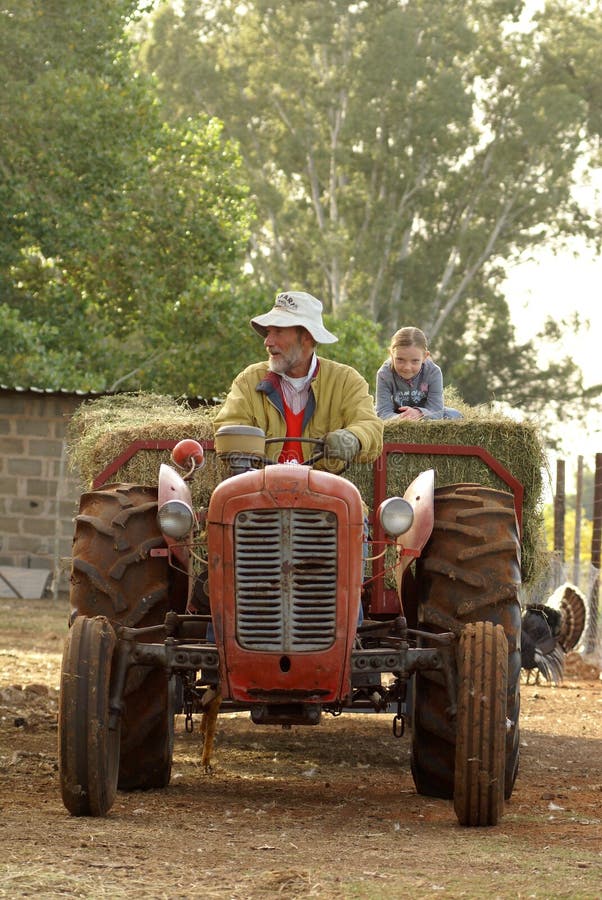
pixel 38 493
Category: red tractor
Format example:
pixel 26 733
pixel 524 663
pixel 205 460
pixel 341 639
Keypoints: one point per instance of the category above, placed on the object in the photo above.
pixel 272 600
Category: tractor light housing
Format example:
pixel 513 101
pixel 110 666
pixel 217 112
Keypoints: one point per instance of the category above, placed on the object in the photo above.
pixel 176 519
pixel 396 516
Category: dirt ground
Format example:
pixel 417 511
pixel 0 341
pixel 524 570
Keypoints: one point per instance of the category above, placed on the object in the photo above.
pixel 326 812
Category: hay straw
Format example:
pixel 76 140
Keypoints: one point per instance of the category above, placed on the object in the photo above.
pixel 102 429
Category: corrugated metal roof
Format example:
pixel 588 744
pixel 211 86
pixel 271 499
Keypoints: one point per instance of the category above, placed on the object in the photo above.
pixel 36 390
pixel 63 392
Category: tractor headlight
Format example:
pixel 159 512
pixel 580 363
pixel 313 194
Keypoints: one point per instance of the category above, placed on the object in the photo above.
pixel 396 516
pixel 175 518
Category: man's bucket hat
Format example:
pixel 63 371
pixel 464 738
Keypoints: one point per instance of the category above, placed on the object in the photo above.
pixel 295 308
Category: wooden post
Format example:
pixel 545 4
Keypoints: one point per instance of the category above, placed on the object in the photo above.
pixel 578 510
pixel 592 625
pixel 559 511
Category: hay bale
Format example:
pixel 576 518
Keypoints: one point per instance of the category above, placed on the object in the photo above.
pixel 101 429
pixel 517 446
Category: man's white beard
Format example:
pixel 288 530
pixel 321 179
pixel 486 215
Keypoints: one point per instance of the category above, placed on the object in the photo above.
pixel 282 364
pixel 277 364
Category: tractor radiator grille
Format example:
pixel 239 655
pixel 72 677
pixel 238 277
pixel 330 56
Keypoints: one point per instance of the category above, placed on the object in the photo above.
pixel 285 579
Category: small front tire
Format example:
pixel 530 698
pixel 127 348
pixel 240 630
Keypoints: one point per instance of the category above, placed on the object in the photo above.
pixel 115 574
pixel 468 572
pixel 88 745
pixel 481 724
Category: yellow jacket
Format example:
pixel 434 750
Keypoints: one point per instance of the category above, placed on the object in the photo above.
pixel 338 398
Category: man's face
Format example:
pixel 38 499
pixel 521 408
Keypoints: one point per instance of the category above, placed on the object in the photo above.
pixel 289 351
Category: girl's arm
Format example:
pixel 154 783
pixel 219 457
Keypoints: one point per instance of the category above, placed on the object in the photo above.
pixel 433 405
pixel 384 393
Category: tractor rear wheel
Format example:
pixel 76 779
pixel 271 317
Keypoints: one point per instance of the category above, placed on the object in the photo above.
pixel 469 572
pixel 114 575
pixel 88 747
pixel 481 732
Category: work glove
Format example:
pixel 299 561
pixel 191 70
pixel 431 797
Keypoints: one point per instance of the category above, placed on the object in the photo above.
pixel 341 444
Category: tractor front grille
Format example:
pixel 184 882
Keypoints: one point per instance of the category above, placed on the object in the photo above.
pixel 285 579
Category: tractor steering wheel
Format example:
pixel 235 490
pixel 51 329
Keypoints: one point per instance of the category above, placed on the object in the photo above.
pixel 319 442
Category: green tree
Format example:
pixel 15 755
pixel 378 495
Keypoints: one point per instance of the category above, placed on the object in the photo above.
pixel 226 343
pixel 401 155
pixel 118 229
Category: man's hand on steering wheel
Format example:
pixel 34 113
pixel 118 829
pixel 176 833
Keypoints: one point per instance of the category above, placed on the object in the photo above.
pixel 341 444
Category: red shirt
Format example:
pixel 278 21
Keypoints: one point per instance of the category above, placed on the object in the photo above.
pixel 292 450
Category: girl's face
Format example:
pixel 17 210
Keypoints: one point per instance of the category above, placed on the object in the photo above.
pixel 408 360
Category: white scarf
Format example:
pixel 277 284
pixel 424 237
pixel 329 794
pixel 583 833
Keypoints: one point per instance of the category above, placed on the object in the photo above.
pixel 296 390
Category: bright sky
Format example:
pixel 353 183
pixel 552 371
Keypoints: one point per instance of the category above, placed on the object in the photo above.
pixel 558 285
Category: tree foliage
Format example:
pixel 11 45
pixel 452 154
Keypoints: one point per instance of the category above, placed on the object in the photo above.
pixel 392 157
pixel 118 229
pixel 402 155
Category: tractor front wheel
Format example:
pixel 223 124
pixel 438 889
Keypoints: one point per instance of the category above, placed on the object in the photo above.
pixel 481 728
pixel 88 746
pixel 469 572
pixel 115 575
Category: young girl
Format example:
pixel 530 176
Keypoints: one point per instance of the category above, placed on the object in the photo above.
pixel 409 385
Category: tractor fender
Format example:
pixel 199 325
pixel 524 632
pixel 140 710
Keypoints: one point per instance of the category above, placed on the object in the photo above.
pixel 173 487
pixel 420 495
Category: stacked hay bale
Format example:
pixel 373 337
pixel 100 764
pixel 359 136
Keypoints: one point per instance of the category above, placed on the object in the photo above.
pixel 102 429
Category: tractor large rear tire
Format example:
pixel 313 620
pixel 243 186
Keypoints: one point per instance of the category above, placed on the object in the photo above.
pixel 469 571
pixel 481 733
pixel 114 575
pixel 88 747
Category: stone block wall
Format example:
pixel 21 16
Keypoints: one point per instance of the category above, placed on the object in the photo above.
pixel 38 494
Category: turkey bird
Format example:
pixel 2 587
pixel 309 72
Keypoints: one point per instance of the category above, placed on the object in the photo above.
pixel 569 600
pixel 540 648
pixel 550 631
